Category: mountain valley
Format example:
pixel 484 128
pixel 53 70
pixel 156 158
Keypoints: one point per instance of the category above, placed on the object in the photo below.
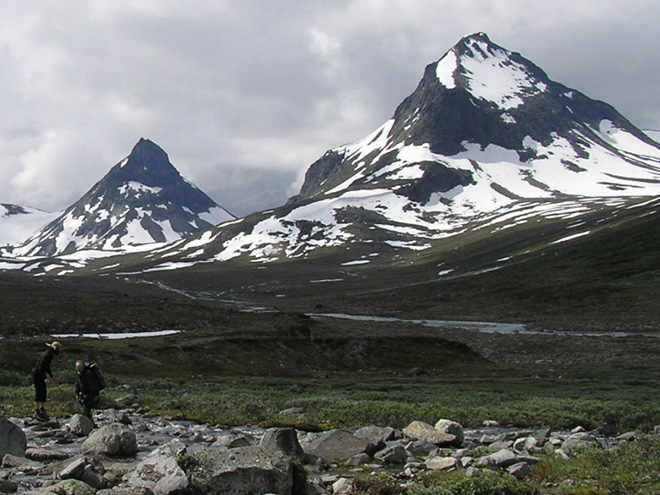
pixel 521 201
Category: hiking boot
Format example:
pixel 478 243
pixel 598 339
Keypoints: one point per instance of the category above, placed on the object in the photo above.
pixel 44 415
pixel 39 415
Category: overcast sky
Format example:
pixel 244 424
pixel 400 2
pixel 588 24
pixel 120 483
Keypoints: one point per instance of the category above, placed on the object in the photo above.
pixel 245 95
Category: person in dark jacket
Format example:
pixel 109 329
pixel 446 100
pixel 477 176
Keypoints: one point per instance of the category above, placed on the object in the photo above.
pixel 42 376
pixel 88 390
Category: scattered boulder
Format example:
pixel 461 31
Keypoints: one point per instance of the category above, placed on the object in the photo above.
pixel 441 463
pixel 232 441
pixel 45 455
pixel 69 487
pixel 377 434
pixel 87 469
pixel 12 439
pixel 18 462
pixel 160 471
pixel 112 440
pixel 500 459
pixel 520 470
pixel 394 454
pixel 240 471
pixel 426 433
pixel 579 439
pixel 74 470
pixel 504 459
pixel 80 425
pixel 452 428
pixel 285 440
pixel 337 445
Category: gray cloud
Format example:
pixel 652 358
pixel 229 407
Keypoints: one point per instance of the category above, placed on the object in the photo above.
pixel 245 95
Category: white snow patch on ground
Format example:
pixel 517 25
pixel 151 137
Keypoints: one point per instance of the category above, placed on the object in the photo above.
pixel 571 237
pixel 356 262
pixel 116 336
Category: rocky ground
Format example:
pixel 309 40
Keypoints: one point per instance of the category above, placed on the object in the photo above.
pixel 127 452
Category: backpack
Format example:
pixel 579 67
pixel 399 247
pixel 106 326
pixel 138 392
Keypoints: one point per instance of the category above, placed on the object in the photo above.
pixel 94 368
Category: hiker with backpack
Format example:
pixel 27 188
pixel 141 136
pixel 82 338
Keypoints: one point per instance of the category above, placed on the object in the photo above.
pixel 89 383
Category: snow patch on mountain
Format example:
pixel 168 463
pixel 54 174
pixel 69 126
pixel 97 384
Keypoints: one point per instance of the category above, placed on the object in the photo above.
pixel 493 75
pixel 17 223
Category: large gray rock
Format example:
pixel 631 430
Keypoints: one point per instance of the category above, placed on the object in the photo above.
pixel 160 471
pixel 520 470
pixel 452 428
pixel 394 454
pixel 80 425
pixel 376 434
pixel 504 458
pixel 15 461
pixel 87 469
pixel 45 455
pixel 232 441
pixel 580 440
pixel 284 440
pixel 337 445
pixel 241 471
pixel 74 470
pixel 112 440
pixel 12 439
pixel 500 459
pixel 438 463
pixel 420 430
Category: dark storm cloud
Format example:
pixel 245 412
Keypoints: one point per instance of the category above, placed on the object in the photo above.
pixel 245 95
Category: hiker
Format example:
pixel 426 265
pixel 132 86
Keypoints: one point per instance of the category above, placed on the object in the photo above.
pixel 88 388
pixel 42 376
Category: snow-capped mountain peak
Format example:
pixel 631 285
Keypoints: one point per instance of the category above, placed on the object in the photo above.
pixel 142 200
pixel 489 72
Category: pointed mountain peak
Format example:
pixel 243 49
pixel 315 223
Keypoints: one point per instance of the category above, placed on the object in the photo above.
pixel 147 163
pixel 479 38
pixel 141 201
pixel 490 73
